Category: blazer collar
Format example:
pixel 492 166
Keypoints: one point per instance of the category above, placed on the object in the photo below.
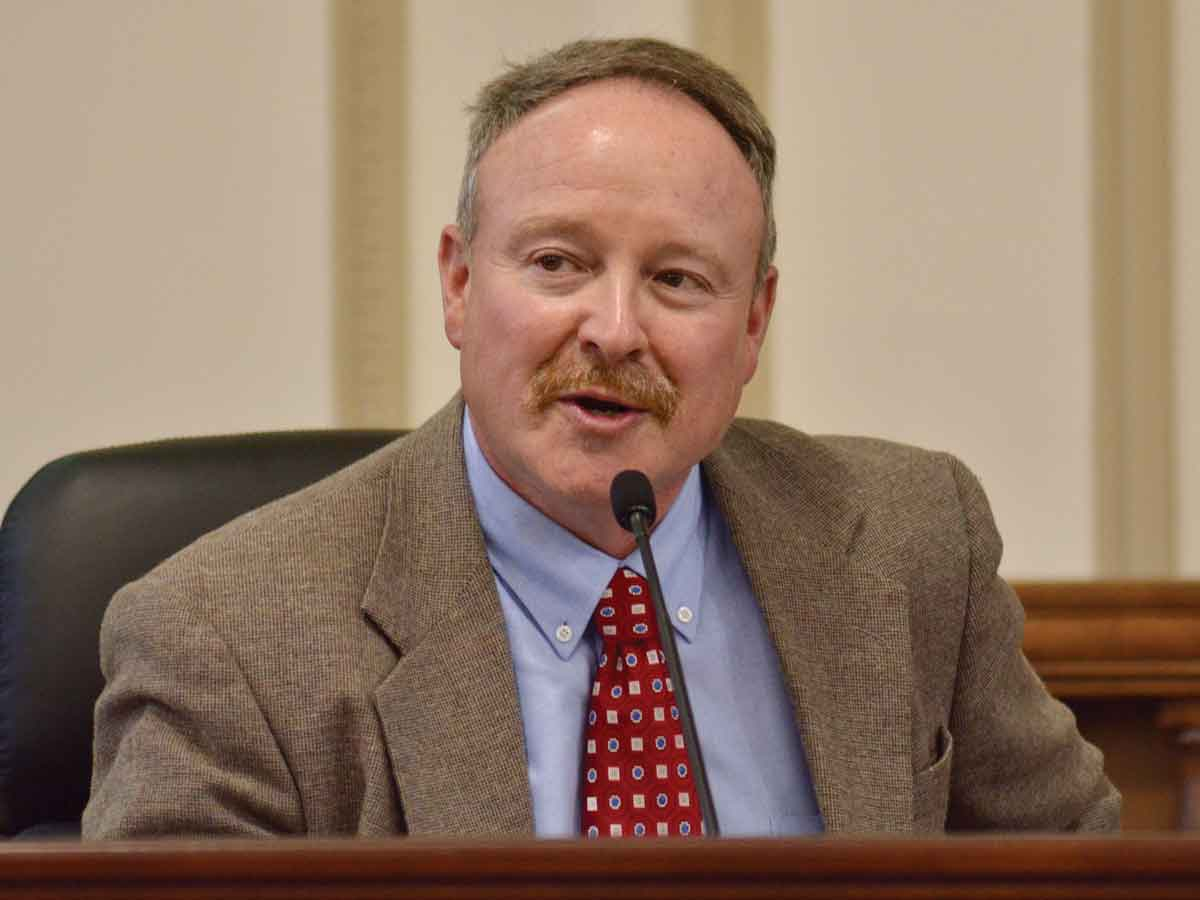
pixel 841 631
pixel 449 710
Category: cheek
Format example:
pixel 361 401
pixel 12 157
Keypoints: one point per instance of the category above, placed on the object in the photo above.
pixel 710 354
pixel 512 334
pixel 493 322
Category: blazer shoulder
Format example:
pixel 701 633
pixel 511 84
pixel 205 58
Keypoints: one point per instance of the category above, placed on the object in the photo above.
pixel 855 464
pixel 334 523
pixel 309 523
pixel 900 505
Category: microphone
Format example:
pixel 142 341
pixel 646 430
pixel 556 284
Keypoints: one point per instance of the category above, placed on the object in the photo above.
pixel 635 510
pixel 631 494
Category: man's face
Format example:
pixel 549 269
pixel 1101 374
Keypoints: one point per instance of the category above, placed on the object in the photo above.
pixel 606 310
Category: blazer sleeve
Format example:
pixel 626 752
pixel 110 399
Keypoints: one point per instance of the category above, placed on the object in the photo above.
pixel 1019 760
pixel 182 747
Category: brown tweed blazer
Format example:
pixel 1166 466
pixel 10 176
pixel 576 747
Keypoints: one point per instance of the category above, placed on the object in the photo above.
pixel 336 662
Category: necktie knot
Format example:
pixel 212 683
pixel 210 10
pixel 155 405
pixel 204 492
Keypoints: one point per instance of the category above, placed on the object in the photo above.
pixel 624 614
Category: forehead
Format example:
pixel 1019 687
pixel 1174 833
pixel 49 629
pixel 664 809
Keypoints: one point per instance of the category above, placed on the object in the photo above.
pixel 619 141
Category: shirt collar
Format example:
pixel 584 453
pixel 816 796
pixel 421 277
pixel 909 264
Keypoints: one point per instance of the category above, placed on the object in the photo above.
pixel 556 578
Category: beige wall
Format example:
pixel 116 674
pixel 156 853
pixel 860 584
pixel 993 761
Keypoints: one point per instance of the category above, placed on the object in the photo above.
pixel 165 260
pixel 1185 156
pixel 225 214
pixel 935 246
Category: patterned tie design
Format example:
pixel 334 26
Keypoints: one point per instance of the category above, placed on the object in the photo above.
pixel 636 777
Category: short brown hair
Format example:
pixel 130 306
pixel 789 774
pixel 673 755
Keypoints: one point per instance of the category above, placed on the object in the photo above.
pixel 503 101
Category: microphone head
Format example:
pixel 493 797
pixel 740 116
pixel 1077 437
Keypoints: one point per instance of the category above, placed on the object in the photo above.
pixel 631 492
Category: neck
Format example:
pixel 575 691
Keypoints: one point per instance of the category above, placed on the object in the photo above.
pixel 588 514
pixel 594 523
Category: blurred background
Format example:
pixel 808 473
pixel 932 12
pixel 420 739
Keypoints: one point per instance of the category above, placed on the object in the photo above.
pixel 221 216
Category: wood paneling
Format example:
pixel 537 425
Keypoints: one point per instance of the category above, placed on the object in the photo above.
pixel 1125 655
pixel 1114 638
pixel 821 867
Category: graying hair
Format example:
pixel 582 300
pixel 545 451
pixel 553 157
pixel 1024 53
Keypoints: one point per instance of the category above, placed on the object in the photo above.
pixel 503 101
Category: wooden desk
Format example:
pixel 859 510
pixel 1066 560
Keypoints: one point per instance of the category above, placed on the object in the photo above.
pixel 1129 867
pixel 1125 655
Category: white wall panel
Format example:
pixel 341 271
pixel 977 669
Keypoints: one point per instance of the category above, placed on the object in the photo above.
pixel 934 246
pixel 165 223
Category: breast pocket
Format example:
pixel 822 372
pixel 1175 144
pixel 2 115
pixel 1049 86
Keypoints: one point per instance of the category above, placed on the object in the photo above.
pixel 931 788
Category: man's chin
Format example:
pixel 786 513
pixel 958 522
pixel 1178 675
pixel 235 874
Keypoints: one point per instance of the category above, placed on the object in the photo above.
pixel 591 483
pixel 588 488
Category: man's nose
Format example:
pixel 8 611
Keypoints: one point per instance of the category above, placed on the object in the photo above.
pixel 611 327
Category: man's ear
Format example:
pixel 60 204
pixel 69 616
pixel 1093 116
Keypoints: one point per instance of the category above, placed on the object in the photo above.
pixel 454 263
pixel 761 307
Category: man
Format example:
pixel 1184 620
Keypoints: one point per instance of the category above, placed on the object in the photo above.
pixel 419 643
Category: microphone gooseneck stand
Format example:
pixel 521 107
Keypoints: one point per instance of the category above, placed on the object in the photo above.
pixel 634 507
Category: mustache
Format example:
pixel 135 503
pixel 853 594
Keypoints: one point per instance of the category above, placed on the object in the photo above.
pixel 631 383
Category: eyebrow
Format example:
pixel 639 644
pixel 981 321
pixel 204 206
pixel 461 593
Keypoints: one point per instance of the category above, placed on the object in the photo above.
pixel 539 226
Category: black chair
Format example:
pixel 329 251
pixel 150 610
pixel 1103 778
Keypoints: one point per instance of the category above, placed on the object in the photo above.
pixel 83 526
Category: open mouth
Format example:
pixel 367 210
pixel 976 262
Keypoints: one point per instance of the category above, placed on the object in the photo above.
pixel 597 406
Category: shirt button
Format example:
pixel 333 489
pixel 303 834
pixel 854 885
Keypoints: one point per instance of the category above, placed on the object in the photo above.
pixel 685 614
pixel 564 633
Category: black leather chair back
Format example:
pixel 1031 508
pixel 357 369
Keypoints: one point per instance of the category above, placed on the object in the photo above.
pixel 82 527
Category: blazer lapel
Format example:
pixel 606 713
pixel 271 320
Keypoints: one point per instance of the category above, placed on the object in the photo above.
pixel 841 632
pixel 449 710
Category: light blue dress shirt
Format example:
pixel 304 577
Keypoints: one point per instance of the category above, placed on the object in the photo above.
pixel 549 583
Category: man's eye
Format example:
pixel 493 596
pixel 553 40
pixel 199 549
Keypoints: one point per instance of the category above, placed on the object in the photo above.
pixel 551 262
pixel 674 279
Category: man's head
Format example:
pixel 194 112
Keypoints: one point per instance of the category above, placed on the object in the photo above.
pixel 504 100
pixel 608 283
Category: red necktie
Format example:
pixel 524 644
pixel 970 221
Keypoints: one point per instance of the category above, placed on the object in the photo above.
pixel 636 776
